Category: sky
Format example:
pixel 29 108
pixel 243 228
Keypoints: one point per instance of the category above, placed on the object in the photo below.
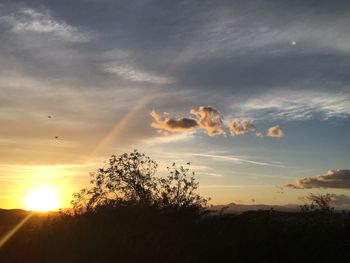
pixel 255 94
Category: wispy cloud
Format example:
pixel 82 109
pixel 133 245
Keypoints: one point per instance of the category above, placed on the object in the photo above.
pixel 166 138
pixel 236 159
pixel 234 186
pixel 211 174
pixel 31 20
pixel 132 73
pixel 297 105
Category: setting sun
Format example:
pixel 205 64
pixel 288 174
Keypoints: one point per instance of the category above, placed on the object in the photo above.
pixel 42 199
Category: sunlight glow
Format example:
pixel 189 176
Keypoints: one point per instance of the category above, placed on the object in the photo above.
pixel 42 199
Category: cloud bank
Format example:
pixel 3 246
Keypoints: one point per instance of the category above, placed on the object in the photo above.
pixel 339 179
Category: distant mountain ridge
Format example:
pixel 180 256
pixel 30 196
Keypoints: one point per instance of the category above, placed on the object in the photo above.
pixel 240 208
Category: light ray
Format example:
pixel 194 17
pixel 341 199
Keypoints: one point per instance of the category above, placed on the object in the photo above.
pixel 118 127
pixel 13 231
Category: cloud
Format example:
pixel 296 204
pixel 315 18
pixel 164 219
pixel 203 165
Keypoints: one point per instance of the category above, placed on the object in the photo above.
pixel 165 139
pixel 240 127
pixel 297 105
pixel 236 159
pixel 132 73
pixel 30 20
pixel 172 124
pixel 209 119
pixel 275 131
pixel 333 179
pixel 259 134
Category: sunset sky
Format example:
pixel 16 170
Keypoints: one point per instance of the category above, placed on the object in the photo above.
pixel 255 94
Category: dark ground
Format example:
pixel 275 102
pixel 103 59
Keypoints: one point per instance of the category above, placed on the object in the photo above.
pixel 142 234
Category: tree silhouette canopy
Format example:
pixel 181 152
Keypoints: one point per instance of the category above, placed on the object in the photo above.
pixel 318 204
pixel 131 178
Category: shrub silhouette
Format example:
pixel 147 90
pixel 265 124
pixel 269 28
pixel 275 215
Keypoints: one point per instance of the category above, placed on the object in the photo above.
pixel 130 179
pixel 318 204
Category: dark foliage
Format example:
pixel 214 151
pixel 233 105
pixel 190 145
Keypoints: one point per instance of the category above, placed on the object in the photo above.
pixel 130 179
pixel 318 205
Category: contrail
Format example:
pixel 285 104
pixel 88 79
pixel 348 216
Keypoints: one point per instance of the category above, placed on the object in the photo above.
pixel 237 159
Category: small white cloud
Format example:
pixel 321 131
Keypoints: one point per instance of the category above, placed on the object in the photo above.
pixel 275 131
pixel 259 134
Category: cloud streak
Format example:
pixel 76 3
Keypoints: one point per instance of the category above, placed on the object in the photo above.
pixel 236 159
pixel 134 74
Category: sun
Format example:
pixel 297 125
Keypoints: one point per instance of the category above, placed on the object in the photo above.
pixel 42 199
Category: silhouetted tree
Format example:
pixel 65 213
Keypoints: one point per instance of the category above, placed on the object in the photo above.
pixel 177 190
pixel 130 178
pixel 320 204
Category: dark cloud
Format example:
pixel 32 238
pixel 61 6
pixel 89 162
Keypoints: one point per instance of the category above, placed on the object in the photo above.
pixel 333 179
pixel 172 124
